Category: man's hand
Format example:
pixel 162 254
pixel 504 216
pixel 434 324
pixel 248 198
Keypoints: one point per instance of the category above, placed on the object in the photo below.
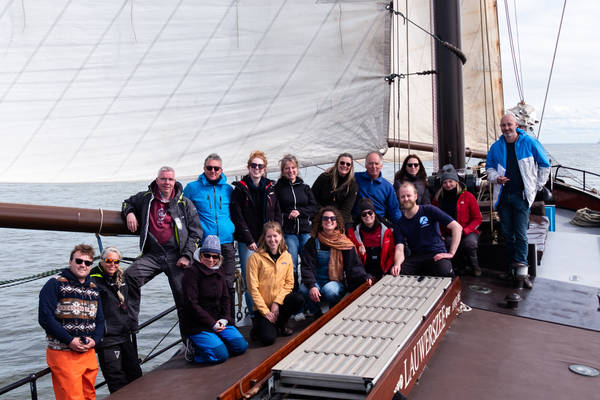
pixel 183 262
pixel 439 256
pixel 314 294
pixel 78 346
pixel 132 222
pixel 395 270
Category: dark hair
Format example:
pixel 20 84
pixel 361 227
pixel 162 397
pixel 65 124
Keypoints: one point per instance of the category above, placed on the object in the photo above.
pixel 83 249
pixel 335 175
pixel 262 242
pixel 318 227
pixel 402 173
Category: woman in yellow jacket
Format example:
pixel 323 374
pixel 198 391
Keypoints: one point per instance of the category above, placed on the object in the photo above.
pixel 270 280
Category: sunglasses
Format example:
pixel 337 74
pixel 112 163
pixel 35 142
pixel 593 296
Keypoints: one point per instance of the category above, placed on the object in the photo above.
pixel 345 164
pixel 325 218
pixel 213 256
pixel 111 261
pixel 212 168
pixel 365 213
pixel 86 262
pixel 411 165
pixel 257 166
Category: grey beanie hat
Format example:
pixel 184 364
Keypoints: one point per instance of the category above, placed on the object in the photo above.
pixel 211 244
pixel 448 172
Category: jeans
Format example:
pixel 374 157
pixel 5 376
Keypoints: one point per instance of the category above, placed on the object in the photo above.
pixel 295 244
pixel 245 253
pixel 331 293
pixel 514 221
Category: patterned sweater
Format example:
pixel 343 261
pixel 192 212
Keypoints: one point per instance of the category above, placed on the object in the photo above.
pixel 70 309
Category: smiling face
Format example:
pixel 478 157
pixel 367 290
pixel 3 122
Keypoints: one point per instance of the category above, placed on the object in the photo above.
pixel 110 266
pixel 80 270
pixel 290 171
pixel 374 165
pixel 344 166
pixel 449 184
pixel 256 169
pixel 213 169
pixel 408 197
pixel 210 259
pixel 508 126
pixel 412 166
pixel 328 222
pixel 367 217
pixel 166 182
pixel 273 239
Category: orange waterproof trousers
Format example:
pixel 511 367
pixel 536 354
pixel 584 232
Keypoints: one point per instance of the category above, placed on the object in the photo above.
pixel 73 374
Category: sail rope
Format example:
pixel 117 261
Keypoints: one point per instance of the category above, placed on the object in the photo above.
pixel 34 277
pixel 551 68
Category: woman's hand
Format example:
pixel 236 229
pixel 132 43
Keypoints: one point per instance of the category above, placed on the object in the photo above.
pixel 294 214
pixel 361 249
pixel 314 294
pixel 252 246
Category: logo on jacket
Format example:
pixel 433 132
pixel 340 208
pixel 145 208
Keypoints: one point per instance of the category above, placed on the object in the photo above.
pixel 424 221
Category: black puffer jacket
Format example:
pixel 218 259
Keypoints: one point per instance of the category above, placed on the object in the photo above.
pixel 296 196
pixel 117 323
pixel 245 213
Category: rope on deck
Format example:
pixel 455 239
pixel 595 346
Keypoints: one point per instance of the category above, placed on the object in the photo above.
pixel 586 217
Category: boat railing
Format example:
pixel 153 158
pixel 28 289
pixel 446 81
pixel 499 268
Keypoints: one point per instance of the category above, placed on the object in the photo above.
pixel 32 378
pixel 578 176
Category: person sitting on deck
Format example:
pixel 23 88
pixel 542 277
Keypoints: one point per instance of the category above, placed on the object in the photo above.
pixel 330 263
pixel 71 314
pixel 419 227
pixel 270 279
pixel 374 241
pixel 207 319
pixel 117 354
pixel 460 204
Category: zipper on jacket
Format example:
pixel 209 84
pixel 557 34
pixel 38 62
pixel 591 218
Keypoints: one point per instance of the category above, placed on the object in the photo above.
pixel 298 217
pixel 216 216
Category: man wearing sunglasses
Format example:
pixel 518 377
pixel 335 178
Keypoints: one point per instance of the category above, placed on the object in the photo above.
pixel 211 194
pixel 71 314
pixel 169 232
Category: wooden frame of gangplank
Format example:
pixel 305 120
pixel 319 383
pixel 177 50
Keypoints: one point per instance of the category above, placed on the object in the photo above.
pixel 400 375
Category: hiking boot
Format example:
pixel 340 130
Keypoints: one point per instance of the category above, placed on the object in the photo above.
pixel 190 351
pixel 527 283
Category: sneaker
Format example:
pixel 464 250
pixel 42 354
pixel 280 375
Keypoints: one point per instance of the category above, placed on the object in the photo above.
pixel 284 331
pixel 299 317
pixel 190 351
pixel 527 283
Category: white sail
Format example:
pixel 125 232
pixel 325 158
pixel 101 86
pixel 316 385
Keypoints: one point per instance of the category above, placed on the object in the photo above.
pixel 482 80
pixel 112 90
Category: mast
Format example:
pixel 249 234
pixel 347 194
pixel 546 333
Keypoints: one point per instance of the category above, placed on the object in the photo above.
pixel 449 84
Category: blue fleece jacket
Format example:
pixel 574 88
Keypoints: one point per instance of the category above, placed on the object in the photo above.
pixel 381 192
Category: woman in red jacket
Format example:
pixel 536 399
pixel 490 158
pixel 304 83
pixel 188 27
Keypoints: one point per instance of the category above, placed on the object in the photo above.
pixel 457 202
pixel 373 240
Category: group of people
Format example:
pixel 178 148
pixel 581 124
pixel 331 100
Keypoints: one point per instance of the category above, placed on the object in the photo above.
pixel 300 249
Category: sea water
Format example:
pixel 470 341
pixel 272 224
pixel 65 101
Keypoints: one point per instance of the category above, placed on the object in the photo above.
pixel 25 253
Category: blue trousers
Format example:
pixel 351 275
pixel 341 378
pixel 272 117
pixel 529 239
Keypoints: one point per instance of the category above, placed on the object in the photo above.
pixel 295 244
pixel 214 348
pixel 514 221
pixel 331 293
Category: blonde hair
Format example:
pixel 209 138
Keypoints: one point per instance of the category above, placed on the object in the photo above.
pixel 287 158
pixel 262 242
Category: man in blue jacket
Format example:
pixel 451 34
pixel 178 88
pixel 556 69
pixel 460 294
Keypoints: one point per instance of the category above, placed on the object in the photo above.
pixel 211 194
pixel 372 185
pixel 518 167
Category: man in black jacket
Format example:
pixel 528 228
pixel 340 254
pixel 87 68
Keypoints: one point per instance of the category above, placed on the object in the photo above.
pixel 169 231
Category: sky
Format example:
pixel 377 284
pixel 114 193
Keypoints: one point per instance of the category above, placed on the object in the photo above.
pixel 572 110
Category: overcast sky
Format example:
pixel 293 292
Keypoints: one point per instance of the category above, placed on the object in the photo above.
pixel 572 110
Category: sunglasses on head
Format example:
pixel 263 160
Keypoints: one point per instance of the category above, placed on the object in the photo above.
pixel 112 261
pixel 365 213
pixel 212 168
pixel 412 165
pixel 86 262
pixel 345 164
pixel 325 218
pixel 257 166
pixel 213 256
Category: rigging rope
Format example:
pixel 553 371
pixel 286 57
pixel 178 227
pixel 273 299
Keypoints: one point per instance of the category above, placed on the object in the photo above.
pixel 552 68
pixel 518 78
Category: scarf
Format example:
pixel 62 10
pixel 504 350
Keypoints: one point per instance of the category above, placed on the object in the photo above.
pixel 336 242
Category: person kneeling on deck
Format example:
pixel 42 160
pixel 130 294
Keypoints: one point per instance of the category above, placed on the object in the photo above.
pixel 117 354
pixel 331 265
pixel 460 204
pixel 270 279
pixel 419 227
pixel 169 231
pixel 71 314
pixel 207 319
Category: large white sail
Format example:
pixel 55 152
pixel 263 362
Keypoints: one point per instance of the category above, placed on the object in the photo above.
pixel 112 90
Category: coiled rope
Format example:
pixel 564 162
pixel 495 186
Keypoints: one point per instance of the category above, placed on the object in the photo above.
pixel 586 217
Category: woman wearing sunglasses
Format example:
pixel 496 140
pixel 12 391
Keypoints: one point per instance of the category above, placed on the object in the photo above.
pixel 337 187
pixel 374 241
pixel 413 171
pixel 108 277
pixel 330 264
pixel 270 277
pixel 207 320
pixel 253 202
